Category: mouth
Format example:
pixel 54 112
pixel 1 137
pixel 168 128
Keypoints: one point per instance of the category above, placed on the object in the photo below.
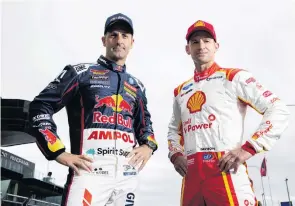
pixel 118 49
pixel 201 54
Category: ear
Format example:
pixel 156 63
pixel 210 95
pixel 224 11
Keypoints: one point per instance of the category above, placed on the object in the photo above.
pixel 187 49
pixel 103 39
pixel 132 42
pixel 216 46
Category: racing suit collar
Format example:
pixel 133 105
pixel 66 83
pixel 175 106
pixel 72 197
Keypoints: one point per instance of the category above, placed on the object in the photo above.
pixel 111 65
pixel 199 76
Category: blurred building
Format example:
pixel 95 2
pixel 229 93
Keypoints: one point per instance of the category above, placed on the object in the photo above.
pixel 21 184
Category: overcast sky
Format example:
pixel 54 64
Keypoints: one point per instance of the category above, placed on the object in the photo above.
pixel 38 38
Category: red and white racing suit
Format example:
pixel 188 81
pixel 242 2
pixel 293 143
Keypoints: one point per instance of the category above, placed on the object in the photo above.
pixel 208 120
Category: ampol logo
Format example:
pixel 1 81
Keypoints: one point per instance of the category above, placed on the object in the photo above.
pixel 54 143
pixel 110 135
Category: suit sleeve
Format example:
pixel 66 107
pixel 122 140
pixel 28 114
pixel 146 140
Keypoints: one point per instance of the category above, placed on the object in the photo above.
pixel 175 137
pixel 52 99
pixel 275 112
pixel 142 122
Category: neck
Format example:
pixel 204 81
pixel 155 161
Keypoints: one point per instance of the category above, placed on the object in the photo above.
pixel 120 62
pixel 202 67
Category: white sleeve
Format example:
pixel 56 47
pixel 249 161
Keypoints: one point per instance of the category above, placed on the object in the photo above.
pixel 175 138
pixel 275 112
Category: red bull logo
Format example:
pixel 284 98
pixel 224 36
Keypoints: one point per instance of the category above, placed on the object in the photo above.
pixel 110 101
pixel 98 117
pixel 54 143
pixel 110 135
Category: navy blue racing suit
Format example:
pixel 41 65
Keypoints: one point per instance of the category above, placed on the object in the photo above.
pixel 107 116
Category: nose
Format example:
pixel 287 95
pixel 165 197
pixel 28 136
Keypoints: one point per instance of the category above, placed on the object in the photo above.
pixel 120 38
pixel 202 44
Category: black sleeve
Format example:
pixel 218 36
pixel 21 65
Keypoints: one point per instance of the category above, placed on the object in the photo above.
pixel 52 99
pixel 142 123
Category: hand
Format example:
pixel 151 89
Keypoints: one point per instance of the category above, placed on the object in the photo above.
pixel 140 154
pixel 233 159
pixel 180 165
pixel 75 161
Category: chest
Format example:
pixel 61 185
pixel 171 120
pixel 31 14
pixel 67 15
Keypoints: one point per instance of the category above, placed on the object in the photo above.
pixel 108 89
pixel 212 93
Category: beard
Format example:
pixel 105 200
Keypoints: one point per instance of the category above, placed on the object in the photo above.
pixel 117 53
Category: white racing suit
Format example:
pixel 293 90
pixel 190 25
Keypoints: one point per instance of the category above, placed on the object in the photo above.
pixel 208 120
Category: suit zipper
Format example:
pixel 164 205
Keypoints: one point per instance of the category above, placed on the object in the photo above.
pixel 116 116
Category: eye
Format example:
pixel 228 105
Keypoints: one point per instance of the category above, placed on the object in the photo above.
pixel 113 35
pixel 125 36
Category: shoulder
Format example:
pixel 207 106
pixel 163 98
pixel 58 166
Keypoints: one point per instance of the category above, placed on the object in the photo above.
pixel 81 67
pixel 236 74
pixel 183 86
pixel 132 80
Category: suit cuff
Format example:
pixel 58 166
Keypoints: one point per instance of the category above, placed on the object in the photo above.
pixel 249 148
pixel 56 154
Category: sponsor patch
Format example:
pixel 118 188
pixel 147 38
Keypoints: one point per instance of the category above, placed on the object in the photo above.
pixel 80 68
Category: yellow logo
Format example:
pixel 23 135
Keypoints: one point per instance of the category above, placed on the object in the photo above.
pixel 196 101
pixel 199 23
pixel 152 139
pixel 54 143
pixel 116 102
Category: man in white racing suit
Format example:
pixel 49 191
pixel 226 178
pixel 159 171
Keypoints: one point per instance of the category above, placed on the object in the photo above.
pixel 207 126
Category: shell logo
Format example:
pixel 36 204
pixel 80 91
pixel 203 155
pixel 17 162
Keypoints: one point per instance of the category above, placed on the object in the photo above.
pixel 199 23
pixel 196 101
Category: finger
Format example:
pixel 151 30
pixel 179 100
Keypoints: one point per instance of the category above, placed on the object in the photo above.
pixel 88 165
pixel 82 165
pixel 184 168
pixel 223 162
pixel 223 157
pixel 133 159
pixel 73 167
pixel 85 157
pixel 228 165
pixel 131 153
pixel 138 161
pixel 142 165
pixel 180 171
